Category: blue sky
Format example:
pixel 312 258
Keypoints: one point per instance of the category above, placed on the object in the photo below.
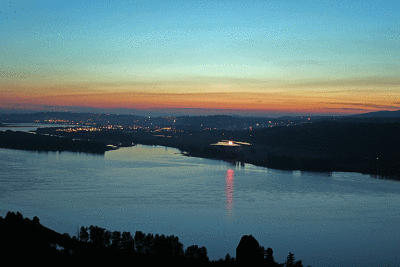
pixel 292 47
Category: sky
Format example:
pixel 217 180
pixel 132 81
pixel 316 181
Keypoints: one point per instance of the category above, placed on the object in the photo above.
pixel 244 57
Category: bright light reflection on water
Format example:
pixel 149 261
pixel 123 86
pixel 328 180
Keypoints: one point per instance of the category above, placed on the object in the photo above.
pixel 229 186
pixel 336 219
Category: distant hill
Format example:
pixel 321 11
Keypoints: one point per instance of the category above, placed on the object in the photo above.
pixel 378 114
pixel 211 122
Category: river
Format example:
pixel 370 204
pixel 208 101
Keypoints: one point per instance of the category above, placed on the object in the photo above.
pixel 325 219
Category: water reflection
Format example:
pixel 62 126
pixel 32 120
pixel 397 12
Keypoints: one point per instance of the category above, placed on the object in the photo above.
pixel 229 185
pixel 127 190
pixel 386 177
pixel 316 173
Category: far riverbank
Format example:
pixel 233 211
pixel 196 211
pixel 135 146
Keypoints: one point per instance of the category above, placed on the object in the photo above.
pixel 367 148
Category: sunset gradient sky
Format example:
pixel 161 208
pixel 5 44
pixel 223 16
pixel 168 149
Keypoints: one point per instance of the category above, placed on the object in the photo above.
pixel 265 57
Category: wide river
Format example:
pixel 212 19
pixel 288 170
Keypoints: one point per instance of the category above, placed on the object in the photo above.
pixel 337 219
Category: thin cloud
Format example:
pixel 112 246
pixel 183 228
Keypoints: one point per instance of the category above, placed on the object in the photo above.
pixel 299 63
pixel 370 105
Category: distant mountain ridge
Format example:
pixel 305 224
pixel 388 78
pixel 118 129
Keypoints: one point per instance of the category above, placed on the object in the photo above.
pixel 211 121
pixel 378 114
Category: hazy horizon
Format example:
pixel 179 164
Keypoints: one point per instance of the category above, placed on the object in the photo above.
pixel 177 112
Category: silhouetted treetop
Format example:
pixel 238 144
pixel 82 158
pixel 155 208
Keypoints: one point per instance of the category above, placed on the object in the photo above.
pixel 30 241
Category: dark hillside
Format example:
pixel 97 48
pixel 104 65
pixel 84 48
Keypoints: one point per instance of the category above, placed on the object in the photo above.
pixel 25 241
pixel 36 142
pixel 365 139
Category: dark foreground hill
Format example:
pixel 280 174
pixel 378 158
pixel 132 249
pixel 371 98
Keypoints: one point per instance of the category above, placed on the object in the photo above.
pixel 25 241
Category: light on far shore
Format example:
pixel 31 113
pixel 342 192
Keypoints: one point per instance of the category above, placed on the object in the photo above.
pixel 231 143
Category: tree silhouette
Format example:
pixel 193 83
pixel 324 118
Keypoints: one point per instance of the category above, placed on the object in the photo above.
pixel 269 258
pixel 107 238
pixel 83 234
pixel 36 221
pixel 149 243
pixel 67 244
pixel 196 254
pixel 229 259
pixel 249 251
pixel 161 246
pixel 97 235
pixel 139 242
pixel 177 246
pixel 291 262
pixel 95 245
pixel 127 241
pixel 116 239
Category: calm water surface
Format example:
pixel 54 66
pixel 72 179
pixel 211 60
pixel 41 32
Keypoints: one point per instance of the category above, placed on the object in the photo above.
pixel 341 219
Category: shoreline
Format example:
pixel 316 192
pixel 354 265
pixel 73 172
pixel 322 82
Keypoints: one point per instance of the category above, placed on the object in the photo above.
pixel 197 144
pixel 279 162
pixel 35 142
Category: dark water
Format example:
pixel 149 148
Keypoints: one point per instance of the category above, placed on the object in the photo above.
pixel 338 219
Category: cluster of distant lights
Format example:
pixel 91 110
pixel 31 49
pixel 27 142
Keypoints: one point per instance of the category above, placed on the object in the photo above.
pixel 109 127
pixel 60 121
pixel 90 129
pixel 119 127
pixel 151 128
pixel 79 129
pixel 168 129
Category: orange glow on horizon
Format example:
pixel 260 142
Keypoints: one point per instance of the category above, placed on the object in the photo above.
pixel 261 102
pixel 339 98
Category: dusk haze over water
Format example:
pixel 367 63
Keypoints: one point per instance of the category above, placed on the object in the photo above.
pixel 200 57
